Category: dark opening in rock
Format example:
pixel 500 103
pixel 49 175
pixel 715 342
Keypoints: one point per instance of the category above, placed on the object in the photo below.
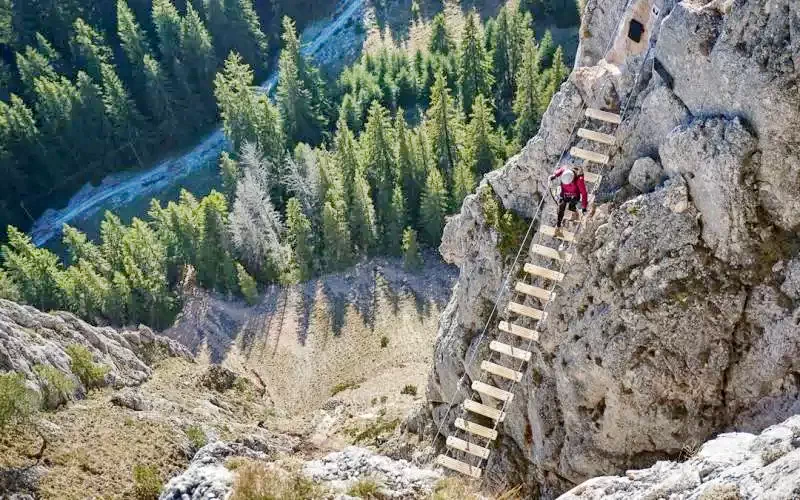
pixel 635 30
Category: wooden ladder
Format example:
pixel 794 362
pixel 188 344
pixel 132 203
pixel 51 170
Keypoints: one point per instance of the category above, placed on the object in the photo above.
pixel 479 422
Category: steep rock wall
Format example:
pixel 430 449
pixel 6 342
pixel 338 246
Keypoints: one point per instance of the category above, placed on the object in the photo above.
pixel 680 316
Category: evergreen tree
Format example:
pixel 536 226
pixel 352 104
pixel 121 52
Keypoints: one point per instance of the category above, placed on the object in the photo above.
pixel 158 98
pixel 412 260
pixel 121 111
pixel 441 42
pixel 92 123
pixel 336 251
pixel 463 183
pixel 301 239
pixel 85 291
pixel 547 49
pixel 433 208
pixel 350 113
pixel 483 146
pixel 33 64
pixel 475 77
pixel 8 289
pixel 443 126
pixel 346 157
pixel 167 22
pixel 396 221
pixel 379 160
pixel 302 120
pixel 526 103
pixel 36 271
pixel 362 216
pixel 197 50
pixel 144 265
pixel 247 285
pixel 229 172
pixel 236 28
pixel 215 267
pixel 80 248
pixel 89 50
pixel 553 79
pixel 411 173
pixel 133 40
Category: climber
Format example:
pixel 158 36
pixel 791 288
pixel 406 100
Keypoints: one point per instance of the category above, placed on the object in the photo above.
pixel 573 190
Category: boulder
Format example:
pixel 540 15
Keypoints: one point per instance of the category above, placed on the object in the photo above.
pixel 645 175
pixel 131 399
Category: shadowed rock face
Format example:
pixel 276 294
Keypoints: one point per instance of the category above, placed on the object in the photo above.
pixel 680 315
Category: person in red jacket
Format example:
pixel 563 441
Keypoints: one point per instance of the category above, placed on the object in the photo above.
pixel 573 190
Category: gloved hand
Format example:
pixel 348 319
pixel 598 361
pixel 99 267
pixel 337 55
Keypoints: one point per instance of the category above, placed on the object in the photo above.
pixel 552 177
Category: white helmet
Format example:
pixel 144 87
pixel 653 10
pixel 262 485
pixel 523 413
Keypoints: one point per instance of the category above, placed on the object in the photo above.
pixel 567 176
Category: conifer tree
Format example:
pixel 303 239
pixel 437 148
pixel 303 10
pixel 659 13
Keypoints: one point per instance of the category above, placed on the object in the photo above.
pixel 8 289
pixel 350 113
pixel 547 49
pixel 379 160
pixel 247 285
pixel 90 115
pixel 443 126
pixel 35 270
pixel 229 172
pixel 32 64
pixel 302 120
pixel 301 239
pixel 441 42
pixel 463 183
pixel 526 103
pixel 483 145
pixel 363 228
pixel 167 22
pixel 553 79
pixel 248 39
pixel 197 51
pixel 433 208
pixel 336 249
pixel 396 221
pixel 410 172
pixel 133 38
pixel 121 111
pixel 215 267
pixel 158 98
pixel 346 157
pixel 89 49
pixel 475 77
pixel 412 260
pixel 501 56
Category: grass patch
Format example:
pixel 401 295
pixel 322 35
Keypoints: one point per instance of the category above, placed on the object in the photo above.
pixel 254 481
pixel 453 488
pixel 196 436
pixel 90 374
pixel 373 432
pixel 17 402
pixel 146 482
pixel 365 488
pixel 343 386
pixel 510 226
pixel 57 387
pixel 410 389
pixel 384 342
pixel 720 492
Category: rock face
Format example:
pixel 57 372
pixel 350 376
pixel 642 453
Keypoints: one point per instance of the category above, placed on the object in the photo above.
pixel 29 337
pixel 680 315
pixel 734 466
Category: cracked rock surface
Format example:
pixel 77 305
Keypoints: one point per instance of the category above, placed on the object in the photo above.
pixel 679 318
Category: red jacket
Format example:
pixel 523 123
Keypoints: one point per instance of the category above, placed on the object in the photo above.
pixel 575 188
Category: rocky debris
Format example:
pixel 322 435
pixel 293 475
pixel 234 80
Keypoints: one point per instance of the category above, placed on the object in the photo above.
pixel 131 399
pixel 735 466
pixel 218 378
pixel 21 483
pixel 397 478
pixel 678 318
pixel 645 175
pixel 29 337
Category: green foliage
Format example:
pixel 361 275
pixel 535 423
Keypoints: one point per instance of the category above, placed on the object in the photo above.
pixel 527 101
pixel 17 403
pixel 396 221
pixel 441 42
pixel 365 488
pixel 301 239
pixel 35 271
pixel 475 77
pixel 197 436
pixel 444 126
pixel 433 208
pixel 57 386
pixel 8 289
pixel 511 227
pixel 256 482
pixel 146 482
pixel 247 285
pixel 410 390
pixel 384 342
pixel 90 374
pixel 343 386
pixel 412 260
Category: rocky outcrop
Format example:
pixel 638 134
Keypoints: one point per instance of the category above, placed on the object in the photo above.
pixel 30 338
pixel 680 315
pixel 734 466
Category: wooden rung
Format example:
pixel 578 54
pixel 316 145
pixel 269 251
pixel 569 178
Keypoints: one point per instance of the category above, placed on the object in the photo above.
pixel 501 371
pixel 605 116
pixel 467 447
pixel 519 331
pixel 600 137
pixel 527 311
pixel 543 272
pixel 510 351
pixel 534 291
pixel 585 154
pixel 458 466
pixel 492 391
pixel 486 411
pixel 590 177
pixel 478 430
pixel 551 231
pixel 550 252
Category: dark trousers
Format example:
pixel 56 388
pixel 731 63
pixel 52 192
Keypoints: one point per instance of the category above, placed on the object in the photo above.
pixel 563 202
